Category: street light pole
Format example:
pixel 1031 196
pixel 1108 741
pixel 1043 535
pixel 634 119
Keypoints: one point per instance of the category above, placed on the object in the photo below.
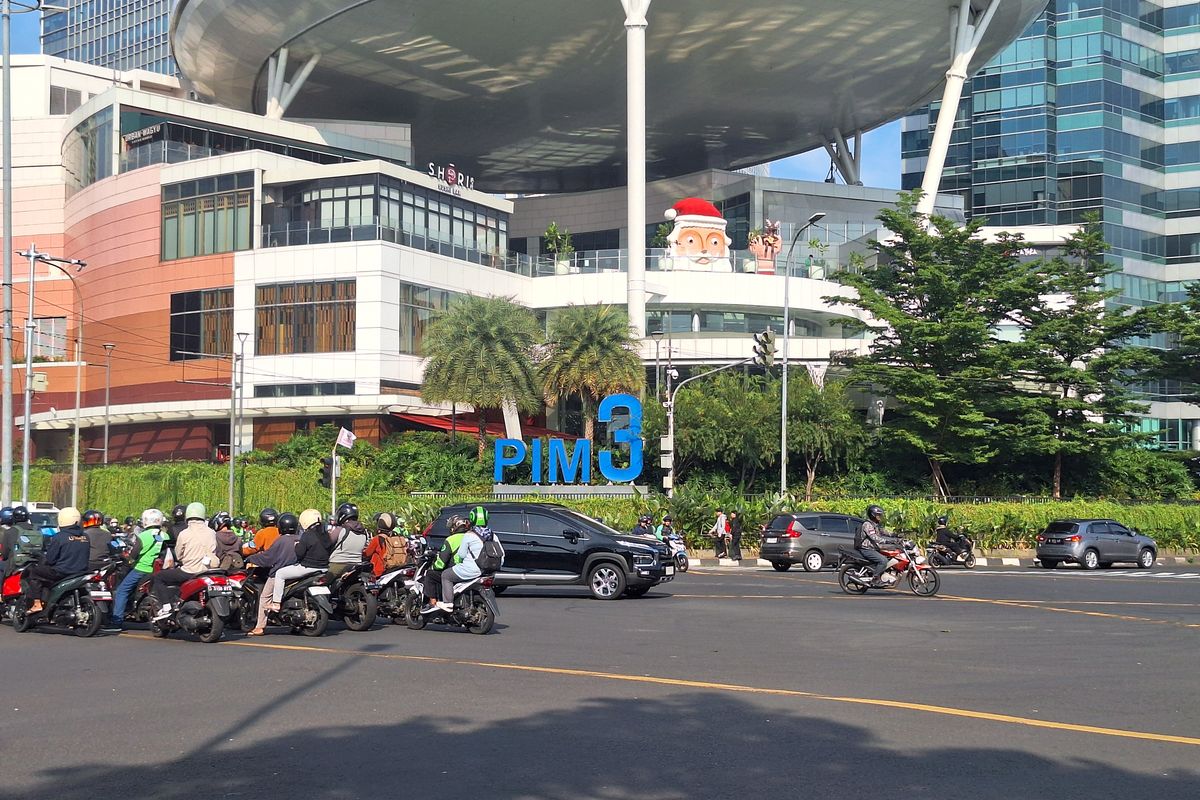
pixel 108 348
pixel 787 327
pixel 32 254
pixel 657 339
pixel 79 265
pixel 6 415
pixel 237 375
pixel 635 148
pixel 670 404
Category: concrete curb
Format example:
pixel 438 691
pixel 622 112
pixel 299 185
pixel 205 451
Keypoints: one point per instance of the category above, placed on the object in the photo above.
pixel 980 561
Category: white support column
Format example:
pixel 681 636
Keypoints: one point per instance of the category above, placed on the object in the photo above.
pixel 635 129
pixel 967 29
pixel 290 90
pixel 844 159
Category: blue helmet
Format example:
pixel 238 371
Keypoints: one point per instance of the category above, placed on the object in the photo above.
pixel 6 515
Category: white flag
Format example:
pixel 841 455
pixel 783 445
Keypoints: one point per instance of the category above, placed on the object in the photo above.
pixel 346 438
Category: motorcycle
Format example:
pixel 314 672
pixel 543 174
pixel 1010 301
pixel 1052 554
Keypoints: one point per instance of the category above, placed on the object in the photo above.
pixel 79 603
pixel 678 551
pixel 940 555
pixel 353 595
pixel 204 603
pixel 393 584
pixel 906 562
pixel 306 607
pixel 475 605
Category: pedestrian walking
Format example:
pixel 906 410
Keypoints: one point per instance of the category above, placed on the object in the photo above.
pixel 735 535
pixel 720 533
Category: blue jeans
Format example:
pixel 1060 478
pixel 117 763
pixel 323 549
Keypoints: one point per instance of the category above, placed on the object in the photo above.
pixel 124 590
pixel 877 559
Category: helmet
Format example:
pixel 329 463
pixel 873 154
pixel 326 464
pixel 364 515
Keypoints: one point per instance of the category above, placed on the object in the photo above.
pixel 196 511
pixel 92 518
pixel 268 517
pixel 875 513
pixel 384 521
pixel 220 520
pixel 6 515
pixel 153 518
pixel 309 517
pixel 346 511
pixel 943 519
pixel 667 518
pixel 479 516
pixel 68 516
pixel 20 514
pixel 644 519
pixel 179 514
pixel 458 525
pixel 129 520
pixel 288 523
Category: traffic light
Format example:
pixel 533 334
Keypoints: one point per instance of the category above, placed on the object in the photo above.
pixel 326 478
pixel 764 348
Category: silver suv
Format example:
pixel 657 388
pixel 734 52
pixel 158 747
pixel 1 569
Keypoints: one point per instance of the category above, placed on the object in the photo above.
pixel 808 538
pixel 1093 543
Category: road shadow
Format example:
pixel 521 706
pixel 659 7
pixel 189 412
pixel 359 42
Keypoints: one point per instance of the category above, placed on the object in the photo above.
pixel 684 746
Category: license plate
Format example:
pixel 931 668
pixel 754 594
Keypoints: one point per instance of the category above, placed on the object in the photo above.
pixel 772 539
pixel 318 590
pixel 1054 541
pixel 215 592
pixel 670 570
pixel 100 595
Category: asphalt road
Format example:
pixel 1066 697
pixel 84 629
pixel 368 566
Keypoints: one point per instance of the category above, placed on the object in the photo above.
pixel 1013 684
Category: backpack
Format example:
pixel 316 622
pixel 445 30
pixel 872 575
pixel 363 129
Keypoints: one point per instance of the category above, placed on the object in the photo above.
pixel 395 552
pixel 491 558
pixel 28 546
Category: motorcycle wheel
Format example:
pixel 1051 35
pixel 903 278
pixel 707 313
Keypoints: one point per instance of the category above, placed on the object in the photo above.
pixel 143 610
pixel 158 630
pixel 93 618
pixel 681 563
pixel 482 615
pixel 927 587
pixel 213 634
pixel 22 619
pixel 936 559
pixel 316 628
pixel 413 617
pixel 969 562
pixel 247 613
pixel 361 608
pixel 849 586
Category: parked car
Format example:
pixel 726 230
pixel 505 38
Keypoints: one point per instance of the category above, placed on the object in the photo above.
pixel 1093 543
pixel 44 516
pixel 807 538
pixel 550 545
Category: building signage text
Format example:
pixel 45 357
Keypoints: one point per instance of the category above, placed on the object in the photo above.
pixel 450 179
pixel 137 137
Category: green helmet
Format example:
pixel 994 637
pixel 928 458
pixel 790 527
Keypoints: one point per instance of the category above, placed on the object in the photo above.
pixel 479 517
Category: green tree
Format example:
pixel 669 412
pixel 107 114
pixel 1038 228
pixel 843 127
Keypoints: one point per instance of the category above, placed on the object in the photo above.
pixel 1182 361
pixel 822 427
pixel 939 292
pixel 1077 356
pixel 591 353
pixel 480 352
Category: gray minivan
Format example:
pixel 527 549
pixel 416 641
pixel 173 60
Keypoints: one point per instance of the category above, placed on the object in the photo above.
pixel 1093 543
pixel 808 538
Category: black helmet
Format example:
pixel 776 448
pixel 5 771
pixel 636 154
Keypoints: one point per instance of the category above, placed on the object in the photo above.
pixel 287 522
pixel 644 519
pixel 268 517
pixel 875 513
pixel 458 524
pixel 20 514
pixel 239 522
pixel 220 520
pixel 346 511
pixel 943 519
pixel 179 514
pixel 129 520
pixel 91 518
pixel 384 521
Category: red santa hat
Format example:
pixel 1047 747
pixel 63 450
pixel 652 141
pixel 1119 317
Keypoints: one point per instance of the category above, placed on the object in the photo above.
pixel 694 211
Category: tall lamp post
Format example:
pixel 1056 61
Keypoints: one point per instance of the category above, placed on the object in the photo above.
pixel 237 375
pixel 34 257
pixel 108 348
pixel 657 336
pixel 787 327
pixel 635 149
pixel 79 265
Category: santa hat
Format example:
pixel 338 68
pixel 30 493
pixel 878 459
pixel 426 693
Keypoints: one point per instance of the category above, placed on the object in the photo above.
pixel 696 212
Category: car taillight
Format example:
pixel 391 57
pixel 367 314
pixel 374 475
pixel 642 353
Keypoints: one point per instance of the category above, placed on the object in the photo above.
pixel 1075 538
pixel 791 532
pixel 1041 538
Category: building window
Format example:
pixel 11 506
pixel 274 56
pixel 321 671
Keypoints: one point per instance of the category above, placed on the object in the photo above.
pixel 88 150
pixel 418 305
pixel 304 389
pixel 49 338
pixel 201 324
pixel 64 100
pixel 308 317
pixel 207 215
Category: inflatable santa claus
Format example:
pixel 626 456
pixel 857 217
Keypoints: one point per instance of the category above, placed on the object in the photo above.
pixel 698 241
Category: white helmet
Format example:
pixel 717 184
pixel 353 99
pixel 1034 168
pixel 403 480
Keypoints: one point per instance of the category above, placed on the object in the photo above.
pixel 153 518
pixel 308 518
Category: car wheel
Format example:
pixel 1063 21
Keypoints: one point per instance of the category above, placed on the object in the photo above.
pixel 1145 558
pixel 813 561
pixel 1091 560
pixel 637 591
pixel 606 581
pixel 781 566
pixel 1048 563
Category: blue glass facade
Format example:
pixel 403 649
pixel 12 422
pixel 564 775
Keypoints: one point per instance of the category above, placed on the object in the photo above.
pixel 120 34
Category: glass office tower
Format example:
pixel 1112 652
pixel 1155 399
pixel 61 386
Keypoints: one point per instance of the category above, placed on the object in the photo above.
pixel 121 34
pixel 1096 107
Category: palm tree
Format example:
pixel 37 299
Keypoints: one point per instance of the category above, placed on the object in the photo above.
pixel 592 353
pixel 480 352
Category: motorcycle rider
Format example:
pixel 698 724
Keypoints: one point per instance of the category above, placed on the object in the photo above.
pixel 387 541
pixel 870 539
pixel 644 527
pixel 663 532
pixel 281 553
pixel 458 527
pixel 954 542
pixel 229 544
pixel 18 545
pixel 66 555
pixel 195 552
pixel 349 539
pixel 145 547
pixel 312 553
pixel 268 532
pixel 464 568
pixel 99 537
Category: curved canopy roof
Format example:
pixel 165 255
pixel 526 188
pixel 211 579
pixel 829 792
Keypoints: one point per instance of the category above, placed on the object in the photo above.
pixel 529 95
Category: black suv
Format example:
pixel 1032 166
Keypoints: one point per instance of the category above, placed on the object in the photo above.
pixel 807 538
pixel 550 545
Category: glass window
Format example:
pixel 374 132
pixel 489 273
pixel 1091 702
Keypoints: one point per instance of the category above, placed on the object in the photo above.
pixel 418 306
pixel 201 324
pixel 49 338
pixel 195 221
pixel 545 525
pixel 308 317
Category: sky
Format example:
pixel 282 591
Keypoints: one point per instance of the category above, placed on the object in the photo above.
pixel 881 147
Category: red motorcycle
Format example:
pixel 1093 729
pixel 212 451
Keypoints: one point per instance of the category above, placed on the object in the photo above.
pixel 905 562
pixel 204 603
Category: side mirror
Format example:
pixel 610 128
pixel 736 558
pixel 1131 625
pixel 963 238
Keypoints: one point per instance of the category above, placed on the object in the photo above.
pixel 572 536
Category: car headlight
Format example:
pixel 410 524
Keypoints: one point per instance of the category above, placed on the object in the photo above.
pixel 643 561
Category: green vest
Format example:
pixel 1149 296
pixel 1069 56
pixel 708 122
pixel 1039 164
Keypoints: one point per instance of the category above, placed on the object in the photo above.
pixel 451 544
pixel 151 539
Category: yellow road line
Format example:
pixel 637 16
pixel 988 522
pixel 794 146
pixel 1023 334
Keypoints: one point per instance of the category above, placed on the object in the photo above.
pixel 732 688
pixel 1079 611
pixel 1002 601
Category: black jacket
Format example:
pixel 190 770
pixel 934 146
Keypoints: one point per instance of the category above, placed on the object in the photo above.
pixel 872 536
pixel 68 551
pixel 314 547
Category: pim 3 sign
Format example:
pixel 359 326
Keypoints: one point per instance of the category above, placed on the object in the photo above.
pixel 552 464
